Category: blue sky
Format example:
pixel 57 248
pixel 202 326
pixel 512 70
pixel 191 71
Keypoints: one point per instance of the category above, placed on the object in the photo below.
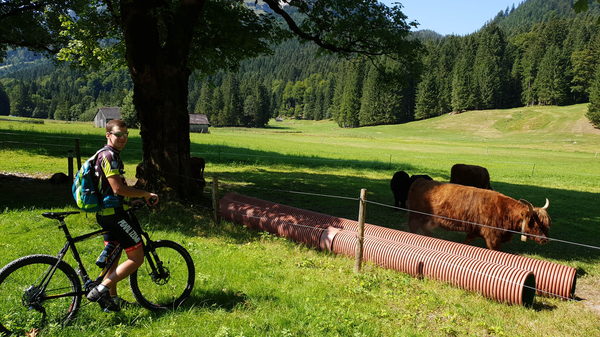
pixel 459 17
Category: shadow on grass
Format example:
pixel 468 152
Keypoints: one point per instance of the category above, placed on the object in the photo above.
pixel 22 192
pixel 574 214
pixel 224 299
pixel 577 226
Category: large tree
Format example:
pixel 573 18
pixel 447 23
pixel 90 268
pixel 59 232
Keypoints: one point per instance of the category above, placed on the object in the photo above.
pixel 163 41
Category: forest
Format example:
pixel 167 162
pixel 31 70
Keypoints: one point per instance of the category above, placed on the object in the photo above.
pixel 539 53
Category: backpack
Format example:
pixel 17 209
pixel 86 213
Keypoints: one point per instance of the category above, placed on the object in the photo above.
pixel 84 187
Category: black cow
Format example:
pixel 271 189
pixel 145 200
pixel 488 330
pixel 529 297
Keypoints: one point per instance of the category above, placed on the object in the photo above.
pixel 400 184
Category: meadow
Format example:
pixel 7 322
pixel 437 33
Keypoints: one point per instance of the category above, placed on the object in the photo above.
pixel 255 284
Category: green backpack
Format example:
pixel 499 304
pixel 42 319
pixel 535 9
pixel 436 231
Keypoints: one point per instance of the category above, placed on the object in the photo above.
pixel 84 187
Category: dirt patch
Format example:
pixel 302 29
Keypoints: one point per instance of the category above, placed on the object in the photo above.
pixel 583 126
pixel 588 292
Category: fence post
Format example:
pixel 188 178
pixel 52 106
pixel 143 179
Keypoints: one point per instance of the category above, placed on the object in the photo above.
pixel 361 230
pixel 78 154
pixel 215 200
pixel 70 158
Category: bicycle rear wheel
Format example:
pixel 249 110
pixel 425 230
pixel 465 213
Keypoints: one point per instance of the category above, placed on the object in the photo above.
pixel 23 302
pixel 171 281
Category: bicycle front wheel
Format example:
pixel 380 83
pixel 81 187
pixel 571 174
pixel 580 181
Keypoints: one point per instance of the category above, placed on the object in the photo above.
pixel 29 301
pixel 165 279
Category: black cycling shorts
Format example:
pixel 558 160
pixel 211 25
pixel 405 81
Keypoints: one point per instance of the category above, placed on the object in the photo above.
pixel 122 228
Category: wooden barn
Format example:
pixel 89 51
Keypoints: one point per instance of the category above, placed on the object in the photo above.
pixel 106 114
pixel 199 123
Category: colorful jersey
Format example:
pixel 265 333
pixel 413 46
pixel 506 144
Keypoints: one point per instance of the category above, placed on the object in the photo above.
pixel 108 164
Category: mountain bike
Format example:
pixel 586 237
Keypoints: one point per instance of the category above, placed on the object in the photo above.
pixel 37 291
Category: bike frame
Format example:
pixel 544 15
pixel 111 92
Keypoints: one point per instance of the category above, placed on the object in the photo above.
pixel 149 253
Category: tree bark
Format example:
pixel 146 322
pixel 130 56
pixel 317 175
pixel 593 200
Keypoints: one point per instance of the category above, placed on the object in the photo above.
pixel 157 62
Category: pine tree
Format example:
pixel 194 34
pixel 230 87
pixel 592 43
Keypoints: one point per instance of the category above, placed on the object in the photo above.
pixel 464 90
pixel 351 97
pixel 584 66
pixel 336 105
pixel 288 102
pixel 381 104
pixel 204 104
pixel 20 102
pixel 128 113
pixel 427 92
pixel 593 113
pixel 490 69
pixel 233 103
pixel 551 84
pixel 448 53
pixel 218 104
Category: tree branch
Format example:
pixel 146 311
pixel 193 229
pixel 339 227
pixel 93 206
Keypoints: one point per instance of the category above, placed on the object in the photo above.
pixel 274 5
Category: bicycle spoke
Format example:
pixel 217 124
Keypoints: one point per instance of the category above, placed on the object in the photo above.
pixel 25 305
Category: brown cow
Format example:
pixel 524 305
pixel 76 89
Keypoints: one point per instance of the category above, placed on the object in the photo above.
pixel 474 206
pixel 470 175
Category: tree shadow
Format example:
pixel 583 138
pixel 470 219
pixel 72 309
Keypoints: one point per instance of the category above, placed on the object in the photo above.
pixel 573 214
pixel 29 192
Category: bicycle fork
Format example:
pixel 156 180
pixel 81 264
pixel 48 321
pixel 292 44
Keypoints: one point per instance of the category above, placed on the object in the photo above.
pixel 160 274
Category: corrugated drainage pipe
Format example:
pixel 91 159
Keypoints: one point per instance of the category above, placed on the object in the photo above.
pixel 551 279
pixel 502 283
pixel 505 284
pixel 284 225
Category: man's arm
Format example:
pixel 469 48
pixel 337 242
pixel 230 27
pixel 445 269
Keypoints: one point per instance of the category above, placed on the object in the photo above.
pixel 127 191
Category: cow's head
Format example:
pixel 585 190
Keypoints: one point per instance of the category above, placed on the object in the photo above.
pixel 536 222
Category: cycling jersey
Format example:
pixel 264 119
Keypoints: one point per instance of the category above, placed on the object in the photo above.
pixel 108 164
pixel 121 227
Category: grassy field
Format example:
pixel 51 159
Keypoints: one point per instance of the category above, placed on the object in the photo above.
pixel 254 284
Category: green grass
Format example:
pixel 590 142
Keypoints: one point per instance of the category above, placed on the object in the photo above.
pixel 254 284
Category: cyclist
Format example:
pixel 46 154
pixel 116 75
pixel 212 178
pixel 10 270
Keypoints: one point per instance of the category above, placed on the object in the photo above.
pixel 115 218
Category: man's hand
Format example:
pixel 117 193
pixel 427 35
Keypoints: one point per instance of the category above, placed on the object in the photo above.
pixel 151 199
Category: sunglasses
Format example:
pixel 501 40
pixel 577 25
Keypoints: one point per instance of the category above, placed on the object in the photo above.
pixel 120 134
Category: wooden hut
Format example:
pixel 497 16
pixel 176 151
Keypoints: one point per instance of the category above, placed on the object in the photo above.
pixel 106 114
pixel 199 123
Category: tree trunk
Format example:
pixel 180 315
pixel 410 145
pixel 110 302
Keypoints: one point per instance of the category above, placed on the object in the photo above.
pixel 157 62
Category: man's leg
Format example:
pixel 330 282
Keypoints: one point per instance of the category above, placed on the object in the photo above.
pixel 135 258
pixel 101 294
pixel 113 289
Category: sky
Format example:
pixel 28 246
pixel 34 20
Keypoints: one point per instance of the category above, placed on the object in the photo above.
pixel 458 17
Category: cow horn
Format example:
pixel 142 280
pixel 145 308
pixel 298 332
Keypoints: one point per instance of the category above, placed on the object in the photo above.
pixel 529 205
pixel 547 204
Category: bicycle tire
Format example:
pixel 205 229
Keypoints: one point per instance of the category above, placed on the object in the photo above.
pixel 17 295
pixel 166 293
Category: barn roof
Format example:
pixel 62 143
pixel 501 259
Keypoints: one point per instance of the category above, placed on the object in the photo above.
pixel 110 112
pixel 198 119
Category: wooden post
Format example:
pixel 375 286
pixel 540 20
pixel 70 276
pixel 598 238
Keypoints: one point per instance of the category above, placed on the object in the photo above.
pixel 70 156
pixel 78 154
pixel 361 230
pixel 533 170
pixel 215 200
